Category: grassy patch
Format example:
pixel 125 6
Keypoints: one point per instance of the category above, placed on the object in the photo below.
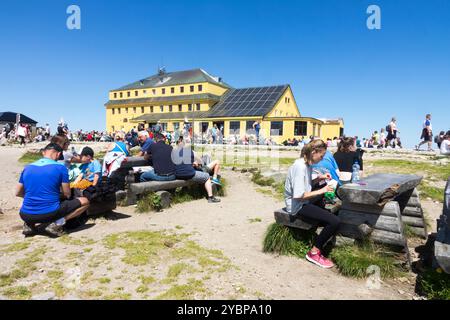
pixel 260 180
pixel 149 202
pixel 55 274
pixel 147 280
pixel 66 239
pixel 30 157
pixel 287 241
pixel 354 260
pixel 16 247
pixel 208 259
pixel 441 172
pixel 17 293
pixel 104 280
pixel 435 285
pixel 254 220
pixel 23 267
pixel 184 292
pixel 436 194
pixel 141 246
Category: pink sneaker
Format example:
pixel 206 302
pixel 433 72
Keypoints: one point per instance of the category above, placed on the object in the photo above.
pixel 319 260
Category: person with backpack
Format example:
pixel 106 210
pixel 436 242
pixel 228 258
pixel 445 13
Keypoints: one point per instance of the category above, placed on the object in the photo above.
pixel 427 133
pixel 392 131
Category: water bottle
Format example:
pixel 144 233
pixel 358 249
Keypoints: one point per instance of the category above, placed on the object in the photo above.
pixel 355 173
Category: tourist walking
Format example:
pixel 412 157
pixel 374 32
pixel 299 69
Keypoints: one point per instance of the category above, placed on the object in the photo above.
pixel 392 133
pixel 427 133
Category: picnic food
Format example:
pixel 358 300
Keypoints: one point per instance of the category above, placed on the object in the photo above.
pixel 82 184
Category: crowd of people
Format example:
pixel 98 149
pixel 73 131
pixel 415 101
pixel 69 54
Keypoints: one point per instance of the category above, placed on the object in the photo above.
pixel 80 176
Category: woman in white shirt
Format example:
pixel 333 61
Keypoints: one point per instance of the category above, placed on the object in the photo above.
pixel 298 196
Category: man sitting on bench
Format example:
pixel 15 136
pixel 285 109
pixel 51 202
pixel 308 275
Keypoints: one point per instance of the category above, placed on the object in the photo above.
pixel 39 185
pixel 163 166
pixel 184 170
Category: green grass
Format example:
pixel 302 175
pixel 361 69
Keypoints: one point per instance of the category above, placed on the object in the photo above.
pixel 16 247
pixel 17 293
pixel 287 241
pixel 254 220
pixel 354 260
pixel 247 161
pixel 184 292
pixel 149 202
pixel 436 194
pixel 441 172
pixel 142 246
pixel 261 180
pixel 351 261
pixel 435 285
pixel 30 157
pixel 23 267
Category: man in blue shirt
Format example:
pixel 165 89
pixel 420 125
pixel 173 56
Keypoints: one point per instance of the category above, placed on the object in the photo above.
pixel 39 185
pixel 145 142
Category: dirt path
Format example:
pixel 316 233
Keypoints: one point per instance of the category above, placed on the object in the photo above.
pixel 225 227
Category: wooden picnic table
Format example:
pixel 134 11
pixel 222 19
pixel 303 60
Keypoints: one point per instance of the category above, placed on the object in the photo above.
pixel 373 208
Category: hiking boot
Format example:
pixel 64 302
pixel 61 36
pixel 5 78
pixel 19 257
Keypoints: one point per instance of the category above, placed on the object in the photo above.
pixel 319 259
pixel 28 229
pixel 216 181
pixel 55 230
pixel 213 200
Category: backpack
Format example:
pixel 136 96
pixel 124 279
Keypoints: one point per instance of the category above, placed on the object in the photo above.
pixel 388 128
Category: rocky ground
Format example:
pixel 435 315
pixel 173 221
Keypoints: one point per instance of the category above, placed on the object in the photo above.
pixel 191 250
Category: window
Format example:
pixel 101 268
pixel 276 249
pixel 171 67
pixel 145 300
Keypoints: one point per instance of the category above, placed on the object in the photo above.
pixel 121 94
pixel 176 125
pixel 151 108
pixel 113 111
pixel 125 120
pixel 192 88
pixel 142 109
pixel 128 94
pixel 113 128
pixel 200 87
pixel 136 93
pixel 181 89
pixel 119 110
pixel 276 128
pixel 145 92
pixel 198 106
pixel 154 91
pixel 172 90
pixel 180 107
pixel 126 110
pixel 134 109
pixel 235 127
pixel 163 91
pixel 161 108
pixel 300 128
pixel 115 95
pixel 189 107
pixel 170 108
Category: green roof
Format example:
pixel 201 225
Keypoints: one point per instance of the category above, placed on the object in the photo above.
pixel 174 78
pixel 169 99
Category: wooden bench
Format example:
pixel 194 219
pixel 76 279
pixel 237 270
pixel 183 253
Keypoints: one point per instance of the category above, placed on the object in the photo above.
pixel 442 243
pixel 285 218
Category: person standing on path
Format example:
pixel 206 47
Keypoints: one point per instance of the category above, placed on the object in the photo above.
pixel 392 133
pixel 427 133
pixel 257 128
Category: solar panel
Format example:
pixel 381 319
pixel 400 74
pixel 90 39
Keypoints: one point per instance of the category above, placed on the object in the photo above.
pixel 247 102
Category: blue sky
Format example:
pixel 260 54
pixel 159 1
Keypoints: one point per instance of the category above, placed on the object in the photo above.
pixel 323 49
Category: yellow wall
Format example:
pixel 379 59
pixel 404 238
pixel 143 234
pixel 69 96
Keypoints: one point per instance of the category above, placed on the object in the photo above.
pixel 285 107
pixel 156 92
pixel 331 130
